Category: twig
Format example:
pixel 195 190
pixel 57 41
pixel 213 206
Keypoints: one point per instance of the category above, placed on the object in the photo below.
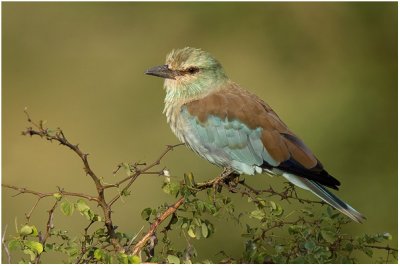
pixel 3 241
pixel 284 195
pixel 49 194
pixel 134 237
pixel 83 246
pixel 59 137
pixel 138 172
pixel 29 214
pixel 380 247
pixel 142 242
pixel 226 176
pixel 49 227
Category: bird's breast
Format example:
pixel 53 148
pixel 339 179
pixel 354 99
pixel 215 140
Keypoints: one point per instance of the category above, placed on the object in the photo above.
pixel 174 119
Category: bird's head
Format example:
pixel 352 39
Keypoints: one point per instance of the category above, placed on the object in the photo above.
pixel 189 72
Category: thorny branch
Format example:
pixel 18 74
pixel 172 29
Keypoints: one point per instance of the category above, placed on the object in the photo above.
pixel 83 242
pixel 288 193
pixel 42 195
pixel 138 172
pixel 49 226
pixel 59 136
pixel 227 179
pixel 224 177
pixel 39 129
pixel 142 242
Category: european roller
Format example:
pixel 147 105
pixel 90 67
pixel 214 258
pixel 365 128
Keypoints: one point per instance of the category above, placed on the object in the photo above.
pixel 233 128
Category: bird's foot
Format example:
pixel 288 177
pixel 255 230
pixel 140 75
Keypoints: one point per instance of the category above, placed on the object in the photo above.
pixel 228 174
pixel 230 178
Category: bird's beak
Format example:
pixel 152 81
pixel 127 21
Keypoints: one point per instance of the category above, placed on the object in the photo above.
pixel 161 71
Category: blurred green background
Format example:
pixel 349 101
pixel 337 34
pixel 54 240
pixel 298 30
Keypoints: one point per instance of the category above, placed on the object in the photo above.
pixel 328 69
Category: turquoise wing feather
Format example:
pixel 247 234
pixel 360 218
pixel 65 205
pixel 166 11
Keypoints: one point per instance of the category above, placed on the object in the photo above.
pixel 227 143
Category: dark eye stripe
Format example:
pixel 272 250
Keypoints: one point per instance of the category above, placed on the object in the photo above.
pixel 192 70
pixel 188 71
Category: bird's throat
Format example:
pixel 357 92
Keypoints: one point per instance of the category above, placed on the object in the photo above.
pixel 177 91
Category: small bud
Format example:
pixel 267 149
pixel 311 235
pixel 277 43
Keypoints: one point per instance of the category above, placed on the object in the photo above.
pixel 166 172
pixel 57 195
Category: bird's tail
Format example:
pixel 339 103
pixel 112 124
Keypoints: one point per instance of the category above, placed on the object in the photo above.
pixel 326 196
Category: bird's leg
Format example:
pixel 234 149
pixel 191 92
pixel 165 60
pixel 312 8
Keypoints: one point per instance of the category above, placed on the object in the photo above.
pixel 226 172
pixel 230 178
pixel 225 177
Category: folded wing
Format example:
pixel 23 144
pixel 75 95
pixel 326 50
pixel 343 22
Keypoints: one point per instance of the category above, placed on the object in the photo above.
pixel 252 134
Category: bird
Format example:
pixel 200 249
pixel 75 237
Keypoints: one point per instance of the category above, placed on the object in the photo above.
pixel 233 128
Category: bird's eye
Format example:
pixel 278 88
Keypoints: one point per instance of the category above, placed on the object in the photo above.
pixel 192 70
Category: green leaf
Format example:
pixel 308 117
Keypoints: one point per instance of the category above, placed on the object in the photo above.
pixel 369 252
pixel 35 246
pixel 278 211
pixel 191 232
pixel 387 236
pixel 26 230
pixel 125 192
pixel 348 247
pixel 173 259
pixel 50 247
pixel 210 227
pixel 198 232
pixel 122 258
pixel 14 244
pixel 294 229
pixel 96 218
pixel 261 201
pixel 67 208
pixel 307 212
pixel 189 179
pixel 197 221
pixel 134 259
pixel 204 230
pixel 35 231
pixel 273 205
pixel 298 260
pixel 82 206
pixel 127 169
pixel 30 253
pixel 146 214
pixel 200 206
pixel 328 236
pixel 257 214
pixel 279 249
pixel 90 215
pixel 71 250
pixel 98 254
pixel 309 245
pixel 171 188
